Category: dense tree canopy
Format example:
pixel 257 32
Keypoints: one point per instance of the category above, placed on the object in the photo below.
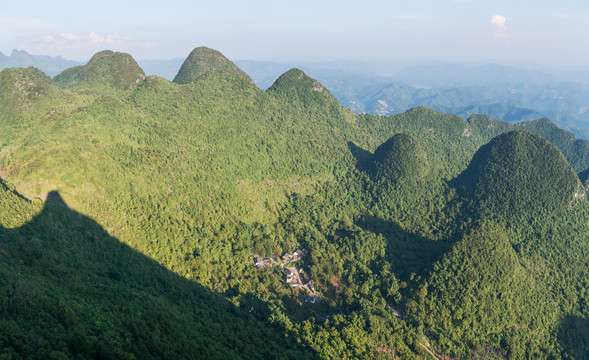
pixel 131 210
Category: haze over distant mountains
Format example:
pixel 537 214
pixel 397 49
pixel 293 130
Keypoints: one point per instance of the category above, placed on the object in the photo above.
pixel 132 209
pixel 502 92
pixel 50 65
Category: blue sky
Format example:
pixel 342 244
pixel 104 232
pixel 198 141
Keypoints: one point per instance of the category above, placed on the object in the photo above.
pixel 508 32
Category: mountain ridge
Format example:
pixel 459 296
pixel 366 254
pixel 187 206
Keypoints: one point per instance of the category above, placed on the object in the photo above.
pixel 156 187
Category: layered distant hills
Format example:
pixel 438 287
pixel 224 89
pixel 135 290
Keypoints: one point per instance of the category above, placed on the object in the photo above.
pixel 380 88
pixel 50 65
pixel 502 92
pixel 132 208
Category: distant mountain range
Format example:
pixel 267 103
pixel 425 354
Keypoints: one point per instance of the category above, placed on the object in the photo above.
pixel 132 209
pixel 502 92
pixel 505 93
pixel 50 65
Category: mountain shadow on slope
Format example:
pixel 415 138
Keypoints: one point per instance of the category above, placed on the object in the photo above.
pixel 574 337
pixel 584 177
pixel 105 68
pixel 517 176
pixel 203 60
pixel 5 188
pixel 407 253
pixel 70 290
pixel 361 155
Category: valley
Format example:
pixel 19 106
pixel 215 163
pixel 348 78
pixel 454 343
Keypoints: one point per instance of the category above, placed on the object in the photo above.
pixel 147 218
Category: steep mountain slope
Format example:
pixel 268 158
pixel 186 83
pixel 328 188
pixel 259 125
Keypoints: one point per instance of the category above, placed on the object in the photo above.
pixel 575 150
pixel 203 60
pixel 206 175
pixel 483 295
pixel 70 290
pixel 401 158
pixel 106 68
pixel 519 175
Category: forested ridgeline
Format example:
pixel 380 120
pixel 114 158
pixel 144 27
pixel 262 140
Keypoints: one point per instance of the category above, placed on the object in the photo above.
pixel 427 233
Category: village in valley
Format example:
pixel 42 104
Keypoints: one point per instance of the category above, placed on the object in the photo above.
pixel 293 275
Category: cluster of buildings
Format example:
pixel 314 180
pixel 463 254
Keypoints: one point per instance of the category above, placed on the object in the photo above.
pixel 293 276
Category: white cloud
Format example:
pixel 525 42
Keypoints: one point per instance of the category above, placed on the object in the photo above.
pixel 80 47
pixel 499 22
pixel 70 36
pixel 94 41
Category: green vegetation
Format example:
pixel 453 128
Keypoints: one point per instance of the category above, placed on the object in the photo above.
pixel 469 298
pixel 69 290
pixel 203 60
pixel 575 150
pixel 105 68
pixel 421 224
pixel 400 159
pixel 519 176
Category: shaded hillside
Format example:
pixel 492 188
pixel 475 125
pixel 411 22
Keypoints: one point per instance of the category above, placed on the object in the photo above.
pixel 518 175
pixel 205 176
pixel 71 290
pixel 575 150
pixel 584 177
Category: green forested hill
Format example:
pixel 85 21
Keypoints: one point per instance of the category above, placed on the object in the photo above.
pixel 203 60
pixel 470 298
pixel 105 68
pixel 194 177
pixel 519 176
pixel 70 290
pixel 575 150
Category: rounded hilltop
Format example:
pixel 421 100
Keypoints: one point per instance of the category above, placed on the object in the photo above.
pixel 108 68
pixel 519 173
pixel 302 90
pixel 296 80
pixel 400 158
pixel 203 60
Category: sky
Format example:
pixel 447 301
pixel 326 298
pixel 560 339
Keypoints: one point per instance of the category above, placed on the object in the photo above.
pixel 501 31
